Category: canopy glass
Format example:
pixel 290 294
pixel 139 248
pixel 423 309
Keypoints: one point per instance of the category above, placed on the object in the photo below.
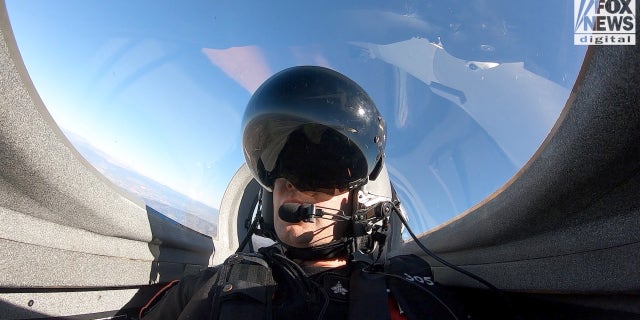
pixel 152 92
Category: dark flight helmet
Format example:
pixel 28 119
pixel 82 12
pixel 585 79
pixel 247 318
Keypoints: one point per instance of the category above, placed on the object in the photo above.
pixel 316 128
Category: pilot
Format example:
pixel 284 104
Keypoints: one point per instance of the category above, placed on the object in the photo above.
pixel 313 139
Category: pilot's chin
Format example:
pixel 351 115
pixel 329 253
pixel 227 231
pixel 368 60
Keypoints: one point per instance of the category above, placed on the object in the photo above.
pixel 300 241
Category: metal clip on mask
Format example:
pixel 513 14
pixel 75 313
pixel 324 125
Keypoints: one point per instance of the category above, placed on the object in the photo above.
pixel 371 223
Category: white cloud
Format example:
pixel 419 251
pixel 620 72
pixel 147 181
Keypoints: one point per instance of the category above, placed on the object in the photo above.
pixel 246 65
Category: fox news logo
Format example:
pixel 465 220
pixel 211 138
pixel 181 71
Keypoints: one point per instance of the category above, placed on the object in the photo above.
pixel 605 22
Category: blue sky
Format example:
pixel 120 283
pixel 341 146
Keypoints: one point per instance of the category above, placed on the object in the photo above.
pixel 469 91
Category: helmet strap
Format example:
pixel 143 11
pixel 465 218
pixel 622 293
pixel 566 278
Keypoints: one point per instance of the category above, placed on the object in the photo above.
pixel 333 249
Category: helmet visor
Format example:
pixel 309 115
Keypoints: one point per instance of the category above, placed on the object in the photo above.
pixel 316 157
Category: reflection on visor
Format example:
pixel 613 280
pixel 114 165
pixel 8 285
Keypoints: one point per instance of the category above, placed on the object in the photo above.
pixel 316 157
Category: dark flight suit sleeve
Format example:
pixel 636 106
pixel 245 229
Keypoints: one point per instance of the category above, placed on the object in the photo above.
pixel 170 301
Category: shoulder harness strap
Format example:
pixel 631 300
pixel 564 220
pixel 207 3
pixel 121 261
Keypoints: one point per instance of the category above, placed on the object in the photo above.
pixel 244 288
pixel 411 282
pixel 368 296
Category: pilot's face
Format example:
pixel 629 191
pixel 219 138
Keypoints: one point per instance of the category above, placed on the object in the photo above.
pixel 308 234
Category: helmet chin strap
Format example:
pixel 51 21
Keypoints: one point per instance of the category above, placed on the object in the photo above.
pixel 331 250
pixel 343 248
